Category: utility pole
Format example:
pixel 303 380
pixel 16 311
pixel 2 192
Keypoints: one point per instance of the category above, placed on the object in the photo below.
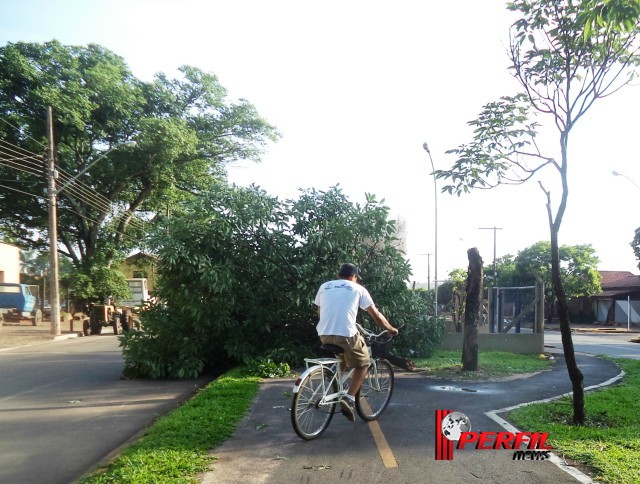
pixel 428 270
pixel 495 271
pixel 50 169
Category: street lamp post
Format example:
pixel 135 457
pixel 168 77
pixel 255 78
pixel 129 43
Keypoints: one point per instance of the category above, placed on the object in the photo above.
pixel 54 290
pixel 425 146
pixel 616 173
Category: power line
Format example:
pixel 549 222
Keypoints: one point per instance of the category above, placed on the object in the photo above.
pixel 20 131
pixel 68 210
pixel 11 155
pixel 78 189
pixel 17 166
pixel 82 192
pixel 130 237
pixel 23 192
pixel 21 151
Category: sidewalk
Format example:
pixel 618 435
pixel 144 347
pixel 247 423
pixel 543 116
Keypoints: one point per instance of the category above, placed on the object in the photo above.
pixel 634 329
pixel 26 334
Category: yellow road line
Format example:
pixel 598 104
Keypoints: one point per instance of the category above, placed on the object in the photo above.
pixel 388 459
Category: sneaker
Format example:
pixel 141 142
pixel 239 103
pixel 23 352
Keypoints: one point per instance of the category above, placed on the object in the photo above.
pixel 347 403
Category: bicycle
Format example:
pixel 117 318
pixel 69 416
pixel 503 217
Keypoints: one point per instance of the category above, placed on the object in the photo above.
pixel 323 384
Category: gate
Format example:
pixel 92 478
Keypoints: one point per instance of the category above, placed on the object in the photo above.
pixel 516 309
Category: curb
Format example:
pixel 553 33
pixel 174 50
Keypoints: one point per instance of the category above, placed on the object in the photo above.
pixel 67 336
pixel 555 459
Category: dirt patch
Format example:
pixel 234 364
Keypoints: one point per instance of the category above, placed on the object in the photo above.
pixel 12 336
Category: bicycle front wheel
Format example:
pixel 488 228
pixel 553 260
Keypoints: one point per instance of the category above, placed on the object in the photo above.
pixel 309 417
pixel 375 392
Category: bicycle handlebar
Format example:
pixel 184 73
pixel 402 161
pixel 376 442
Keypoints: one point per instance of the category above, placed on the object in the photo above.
pixel 371 335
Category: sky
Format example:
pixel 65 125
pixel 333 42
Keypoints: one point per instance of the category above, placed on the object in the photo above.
pixel 356 88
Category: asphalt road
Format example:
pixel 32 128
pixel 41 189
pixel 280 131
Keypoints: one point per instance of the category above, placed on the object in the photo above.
pixel 616 345
pixel 64 408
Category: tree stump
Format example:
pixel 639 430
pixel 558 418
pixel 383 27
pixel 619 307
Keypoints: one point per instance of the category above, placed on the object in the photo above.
pixel 471 311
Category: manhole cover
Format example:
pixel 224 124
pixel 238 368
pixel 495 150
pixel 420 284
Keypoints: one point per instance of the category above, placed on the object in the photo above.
pixel 456 389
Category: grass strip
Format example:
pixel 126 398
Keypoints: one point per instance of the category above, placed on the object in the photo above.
pixel 491 364
pixel 609 442
pixel 178 445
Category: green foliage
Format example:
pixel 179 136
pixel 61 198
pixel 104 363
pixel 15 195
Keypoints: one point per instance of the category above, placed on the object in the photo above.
pixel 186 129
pixel 578 269
pixel 170 346
pixel 452 295
pixel 267 368
pixel 97 284
pixel 239 271
pixel 565 55
pixel 421 330
pixel 109 283
pixel 635 244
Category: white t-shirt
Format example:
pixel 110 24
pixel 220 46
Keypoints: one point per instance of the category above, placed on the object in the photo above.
pixel 339 301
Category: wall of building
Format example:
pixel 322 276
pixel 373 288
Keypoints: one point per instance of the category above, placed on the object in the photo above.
pixel 513 343
pixel 9 263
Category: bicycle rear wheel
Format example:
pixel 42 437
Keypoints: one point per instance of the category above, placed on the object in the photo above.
pixel 375 392
pixel 308 417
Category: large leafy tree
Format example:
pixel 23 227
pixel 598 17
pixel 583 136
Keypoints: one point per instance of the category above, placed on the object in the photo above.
pixel 451 294
pixel 186 131
pixel 566 55
pixel 239 271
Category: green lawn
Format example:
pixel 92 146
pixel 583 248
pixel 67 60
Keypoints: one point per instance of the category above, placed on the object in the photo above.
pixel 491 364
pixel 609 443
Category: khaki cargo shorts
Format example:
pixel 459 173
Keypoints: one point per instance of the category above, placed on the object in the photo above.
pixel 356 353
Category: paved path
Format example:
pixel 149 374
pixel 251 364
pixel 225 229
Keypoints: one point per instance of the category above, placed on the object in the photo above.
pixel 265 449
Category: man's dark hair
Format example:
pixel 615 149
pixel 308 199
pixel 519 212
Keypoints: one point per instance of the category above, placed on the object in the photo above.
pixel 348 270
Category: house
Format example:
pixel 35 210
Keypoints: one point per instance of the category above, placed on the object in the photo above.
pixel 619 301
pixel 9 263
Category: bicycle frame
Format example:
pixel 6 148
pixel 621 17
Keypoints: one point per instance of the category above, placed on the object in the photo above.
pixel 332 365
pixel 323 385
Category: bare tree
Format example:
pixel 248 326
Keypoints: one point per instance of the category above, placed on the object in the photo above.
pixel 566 55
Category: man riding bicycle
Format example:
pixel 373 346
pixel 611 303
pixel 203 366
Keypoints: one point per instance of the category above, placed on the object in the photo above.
pixel 338 302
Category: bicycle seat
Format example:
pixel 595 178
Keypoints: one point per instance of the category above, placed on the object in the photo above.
pixel 333 349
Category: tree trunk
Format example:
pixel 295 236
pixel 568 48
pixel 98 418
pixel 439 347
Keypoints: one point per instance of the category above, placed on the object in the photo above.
pixel 575 375
pixel 471 311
